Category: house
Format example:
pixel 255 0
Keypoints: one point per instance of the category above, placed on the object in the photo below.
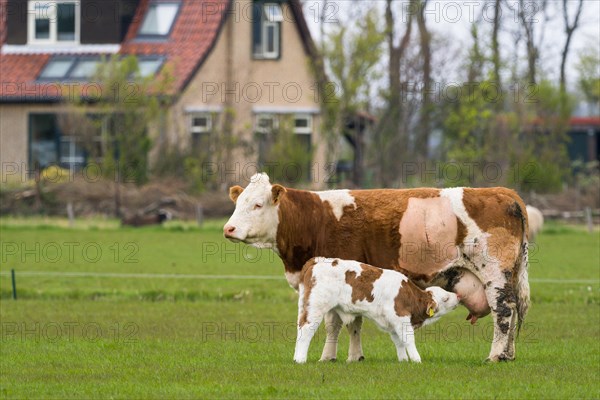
pixel 584 139
pixel 238 65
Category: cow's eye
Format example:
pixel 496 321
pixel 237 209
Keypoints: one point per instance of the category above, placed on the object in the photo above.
pixel 257 206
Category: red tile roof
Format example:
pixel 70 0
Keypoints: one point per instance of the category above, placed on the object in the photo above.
pixel 194 33
pixel 192 37
pixel 585 121
pixel 197 27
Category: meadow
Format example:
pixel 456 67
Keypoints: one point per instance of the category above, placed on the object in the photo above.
pixel 178 312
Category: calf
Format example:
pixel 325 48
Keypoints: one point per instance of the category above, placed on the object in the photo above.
pixel 352 289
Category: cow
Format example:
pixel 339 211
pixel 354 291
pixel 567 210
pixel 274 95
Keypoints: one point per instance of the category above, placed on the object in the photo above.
pixel 349 288
pixel 455 238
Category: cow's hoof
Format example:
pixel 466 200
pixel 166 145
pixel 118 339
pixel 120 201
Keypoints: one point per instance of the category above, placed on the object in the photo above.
pixel 506 357
pixel 499 358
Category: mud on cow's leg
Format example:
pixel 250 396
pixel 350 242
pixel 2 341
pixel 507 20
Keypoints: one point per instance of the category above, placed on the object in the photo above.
pixel 502 298
pixel 333 326
pixel 355 352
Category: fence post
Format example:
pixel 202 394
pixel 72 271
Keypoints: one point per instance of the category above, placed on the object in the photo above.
pixel 200 215
pixel 70 214
pixel 589 220
pixel 14 284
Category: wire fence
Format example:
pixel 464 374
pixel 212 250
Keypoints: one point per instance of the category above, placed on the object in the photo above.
pixel 224 277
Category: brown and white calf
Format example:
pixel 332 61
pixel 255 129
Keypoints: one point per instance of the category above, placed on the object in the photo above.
pixel 462 239
pixel 351 289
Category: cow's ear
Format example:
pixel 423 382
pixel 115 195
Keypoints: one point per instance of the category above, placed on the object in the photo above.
pixel 234 192
pixel 277 191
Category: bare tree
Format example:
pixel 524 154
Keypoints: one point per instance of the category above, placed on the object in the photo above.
pixel 496 60
pixel 426 106
pixel 569 30
pixel 528 13
pixel 391 139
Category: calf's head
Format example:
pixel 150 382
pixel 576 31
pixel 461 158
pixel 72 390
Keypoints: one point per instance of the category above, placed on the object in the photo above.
pixel 442 302
pixel 255 218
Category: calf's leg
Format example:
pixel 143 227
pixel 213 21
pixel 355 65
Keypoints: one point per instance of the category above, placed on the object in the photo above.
pixel 355 352
pixel 400 347
pixel 305 335
pixel 406 333
pixel 333 326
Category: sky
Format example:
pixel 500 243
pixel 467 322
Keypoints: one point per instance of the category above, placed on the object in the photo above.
pixel 452 20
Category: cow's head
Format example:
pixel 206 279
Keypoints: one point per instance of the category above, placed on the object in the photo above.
pixel 442 302
pixel 255 218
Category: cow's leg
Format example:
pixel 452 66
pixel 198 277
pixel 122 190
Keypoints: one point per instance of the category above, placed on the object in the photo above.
pixel 501 297
pixel 400 347
pixel 333 326
pixel 355 352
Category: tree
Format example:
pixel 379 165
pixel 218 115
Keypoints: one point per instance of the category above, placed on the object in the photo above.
pixel 390 142
pixel 351 57
pixel 570 28
pixel 128 104
pixel 528 13
pixel 286 157
pixel 589 77
pixel 422 139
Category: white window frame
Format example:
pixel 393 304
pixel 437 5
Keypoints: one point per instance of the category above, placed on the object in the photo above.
pixel 158 3
pixel 265 116
pixel 71 159
pixel 201 129
pixel 265 27
pixel 307 130
pixel 277 13
pixel 272 17
pixel 53 17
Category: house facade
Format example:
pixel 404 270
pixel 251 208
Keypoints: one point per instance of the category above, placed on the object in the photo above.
pixel 243 67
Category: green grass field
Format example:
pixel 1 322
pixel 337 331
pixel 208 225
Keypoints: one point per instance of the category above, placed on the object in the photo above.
pixel 207 326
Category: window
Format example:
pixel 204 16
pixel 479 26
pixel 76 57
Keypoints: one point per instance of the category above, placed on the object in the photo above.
pixel 266 30
pixel 53 21
pixel 201 123
pixel 303 124
pixel 149 66
pixel 276 134
pixel 43 140
pixel 57 68
pixel 66 68
pixel 83 68
pixel 72 153
pixel 159 19
pixel 266 123
pixel 201 128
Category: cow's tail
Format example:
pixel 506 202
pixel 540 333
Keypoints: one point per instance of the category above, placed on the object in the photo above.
pixel 522 276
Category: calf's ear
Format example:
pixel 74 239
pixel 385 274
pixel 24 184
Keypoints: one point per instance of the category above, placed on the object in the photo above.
pixel 277 191
pixel 234 192
pixel 431 308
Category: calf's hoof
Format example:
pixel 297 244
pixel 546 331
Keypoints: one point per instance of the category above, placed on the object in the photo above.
pixel 355 358
pixel 328 359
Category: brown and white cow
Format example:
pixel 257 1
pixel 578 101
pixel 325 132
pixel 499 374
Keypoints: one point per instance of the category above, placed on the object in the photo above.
pixel 469 241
